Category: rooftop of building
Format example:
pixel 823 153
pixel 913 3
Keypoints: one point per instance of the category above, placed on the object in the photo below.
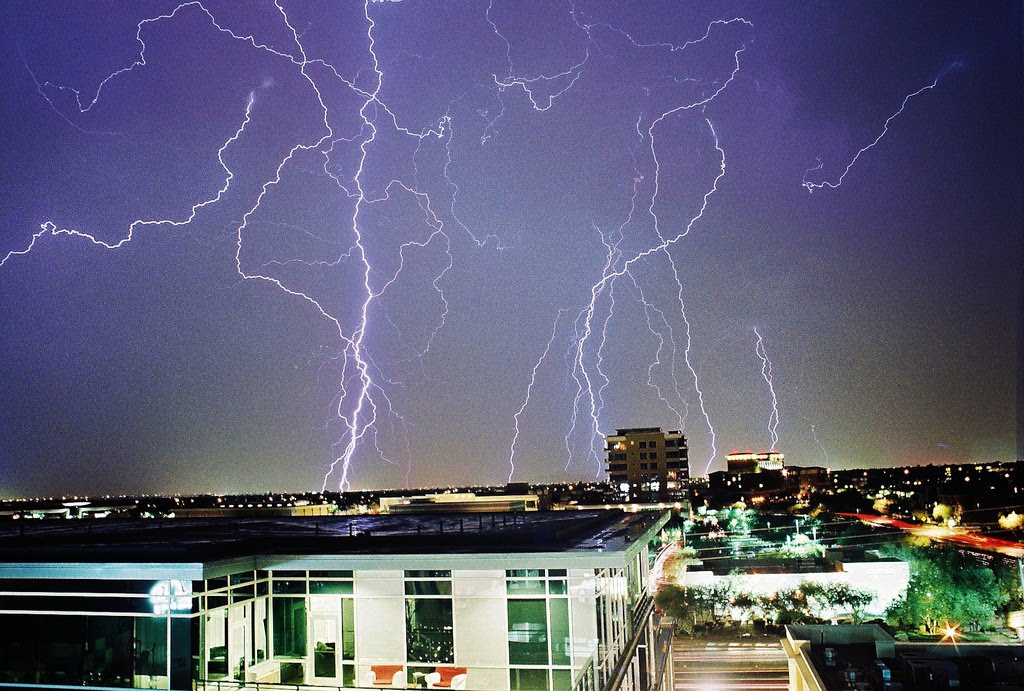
pixel 624 431
pixel 190 540
pixel 866 654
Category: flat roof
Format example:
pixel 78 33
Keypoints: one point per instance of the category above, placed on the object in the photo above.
pixel 625 431
pixel 472 540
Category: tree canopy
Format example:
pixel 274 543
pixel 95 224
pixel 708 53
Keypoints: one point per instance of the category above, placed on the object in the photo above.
pixel 946 587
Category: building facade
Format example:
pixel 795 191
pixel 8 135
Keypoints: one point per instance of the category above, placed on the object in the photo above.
pixel 538 601
pixel 751 462
pixel 649 465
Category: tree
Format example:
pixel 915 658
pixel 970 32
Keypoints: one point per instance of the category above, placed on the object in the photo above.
pixel 693 606
pixel 835 599
pixel 1009 585
pixel 946 587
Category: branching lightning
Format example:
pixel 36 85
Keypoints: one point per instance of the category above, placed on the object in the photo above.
pixel 50 229
pixel 363 408
pixel 584 369
pixel 766 372
pixel 810 185
pixel 361 398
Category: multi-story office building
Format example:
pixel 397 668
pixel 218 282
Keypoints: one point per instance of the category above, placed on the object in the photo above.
pixel 527 601
pixel 649 465
pixel 750 462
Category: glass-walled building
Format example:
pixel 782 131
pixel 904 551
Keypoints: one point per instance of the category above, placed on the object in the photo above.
pixel 539 601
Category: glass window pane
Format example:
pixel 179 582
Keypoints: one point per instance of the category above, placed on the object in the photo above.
pixel 260 630
pixel 151 646
pixel 108 647
pixel 560 647
pixel 561 680
pixel 528 679
pixel 325 659
pixel 289 587
pixel 216 583
pixel 526 587
pixel 289 626
pixel 428 627
pixel 348 629
pixel 428 587
pixel 330 587
pixel 330 574
pixel 428 574
pixel 524 573
pixel 527 632
pixel 557 587
pixel 241 593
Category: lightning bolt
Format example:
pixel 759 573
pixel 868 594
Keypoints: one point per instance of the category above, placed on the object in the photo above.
pixel 766 372
pixel 810 186
pixel 50 229
pixel 363 409
pixel 588 399
pixel 529 390
pixel 361 398
pixel 824 451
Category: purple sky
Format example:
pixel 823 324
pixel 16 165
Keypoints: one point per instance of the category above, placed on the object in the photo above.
pixel 421 190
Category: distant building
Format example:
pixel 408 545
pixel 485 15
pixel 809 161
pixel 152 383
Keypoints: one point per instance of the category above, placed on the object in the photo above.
pixel 726 486
pixel 804 479
pixel 466 502
pixel 751 462
pixel 252 510
pixel 649 465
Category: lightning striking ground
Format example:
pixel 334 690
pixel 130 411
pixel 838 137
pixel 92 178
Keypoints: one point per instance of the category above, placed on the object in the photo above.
pixel 366 411
pixel 588 400
pixel 824 451
pixel 361 397
pixel 766 372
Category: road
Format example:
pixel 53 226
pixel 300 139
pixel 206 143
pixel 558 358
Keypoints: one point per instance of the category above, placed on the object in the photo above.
pixel 725 666
pixel 956 536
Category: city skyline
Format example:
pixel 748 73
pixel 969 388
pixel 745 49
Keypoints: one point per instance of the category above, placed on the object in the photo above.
pixel 222 254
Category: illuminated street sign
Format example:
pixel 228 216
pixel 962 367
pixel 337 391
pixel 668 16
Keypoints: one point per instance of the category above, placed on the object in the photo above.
pixel 171 596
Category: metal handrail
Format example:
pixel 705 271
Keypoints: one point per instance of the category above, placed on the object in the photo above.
pixel 640 614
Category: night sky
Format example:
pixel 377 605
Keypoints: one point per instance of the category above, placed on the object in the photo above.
pixel 293 236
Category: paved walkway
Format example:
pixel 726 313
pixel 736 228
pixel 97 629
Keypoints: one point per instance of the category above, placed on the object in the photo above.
pixel 724 666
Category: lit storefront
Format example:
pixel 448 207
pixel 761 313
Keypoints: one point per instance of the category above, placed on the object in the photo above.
pixel 540 601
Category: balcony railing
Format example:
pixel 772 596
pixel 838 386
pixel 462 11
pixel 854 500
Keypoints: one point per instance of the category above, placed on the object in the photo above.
pixel 593 678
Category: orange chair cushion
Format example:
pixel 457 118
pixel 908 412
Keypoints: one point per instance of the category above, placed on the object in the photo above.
pixel 447 674
pixel 384 674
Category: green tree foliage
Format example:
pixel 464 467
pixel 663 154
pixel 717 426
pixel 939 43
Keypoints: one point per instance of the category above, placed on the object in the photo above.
pixel 692 607
pixel 1009 585
pixel 945 587
pixel 828 600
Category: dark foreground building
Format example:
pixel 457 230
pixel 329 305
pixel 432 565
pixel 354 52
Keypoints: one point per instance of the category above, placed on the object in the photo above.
pixel 532 601
pixel 867 658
